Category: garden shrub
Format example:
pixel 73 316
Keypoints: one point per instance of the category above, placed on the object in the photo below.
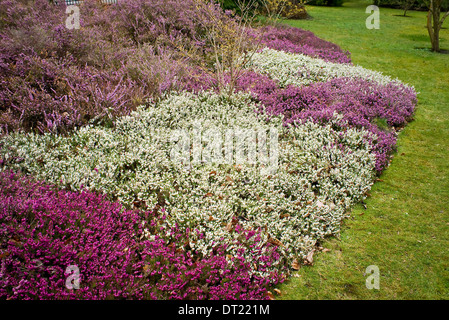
pixel 412 5
pixel 253 6
pixel 290 9
pixel 295 40
pixel 299 70
pixel 328 3
pixel 322 170
pixel 121 254
pixel 361 102
pixel 54 79
pixel 107 118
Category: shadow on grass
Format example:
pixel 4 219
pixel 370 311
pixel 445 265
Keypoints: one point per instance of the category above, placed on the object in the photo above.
pixel 442 51
pixel 416 37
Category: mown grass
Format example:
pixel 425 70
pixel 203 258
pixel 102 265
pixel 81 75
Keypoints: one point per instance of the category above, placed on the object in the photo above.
pixel 405 228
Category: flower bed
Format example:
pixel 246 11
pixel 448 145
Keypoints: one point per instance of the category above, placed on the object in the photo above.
pixel 318 165
pixel 296 40
pixel 299 70
pixel 379 108
pixel 195 193
pixel 121 254
pixel 54 79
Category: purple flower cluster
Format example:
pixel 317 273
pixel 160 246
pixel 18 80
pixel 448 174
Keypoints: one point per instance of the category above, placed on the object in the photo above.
pixel 44 230
pixel 296 40
pixel 53 78
pixel 380 109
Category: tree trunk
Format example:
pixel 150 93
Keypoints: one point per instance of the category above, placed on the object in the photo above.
pixel 433 19
pixel 434 23
pixel 429 28
pixel 436 27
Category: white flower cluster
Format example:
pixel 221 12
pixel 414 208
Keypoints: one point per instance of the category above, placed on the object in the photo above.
pixel 321 171
pixel 299 70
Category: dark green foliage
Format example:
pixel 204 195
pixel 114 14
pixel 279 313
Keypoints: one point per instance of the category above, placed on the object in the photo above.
pixel 234 5
pixel 328 3
pixel 416 5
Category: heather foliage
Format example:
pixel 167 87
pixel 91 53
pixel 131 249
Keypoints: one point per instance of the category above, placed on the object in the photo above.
pixel 120 253
pixel 53 78
pixel 300 70
pixel 295 40
pixel 362 103
pixel 321 171
pixel 107 105
pixel 364 98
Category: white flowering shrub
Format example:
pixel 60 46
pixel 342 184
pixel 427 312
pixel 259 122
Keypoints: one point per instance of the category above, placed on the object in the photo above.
pixel 299 70
pixel 321 170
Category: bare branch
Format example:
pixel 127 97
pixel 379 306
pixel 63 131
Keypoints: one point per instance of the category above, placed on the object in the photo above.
pixel 444 18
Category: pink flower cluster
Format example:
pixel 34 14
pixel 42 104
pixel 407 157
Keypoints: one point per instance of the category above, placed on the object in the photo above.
pixel 44 230
pixel 380 109
pixel 53 78
pixel 295 40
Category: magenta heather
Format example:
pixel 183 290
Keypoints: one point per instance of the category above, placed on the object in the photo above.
pixel 295 40
pixel 44 230
pixel 380 109
pixel 54 79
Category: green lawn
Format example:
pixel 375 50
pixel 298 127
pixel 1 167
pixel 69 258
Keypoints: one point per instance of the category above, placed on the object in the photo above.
pixel 405 228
